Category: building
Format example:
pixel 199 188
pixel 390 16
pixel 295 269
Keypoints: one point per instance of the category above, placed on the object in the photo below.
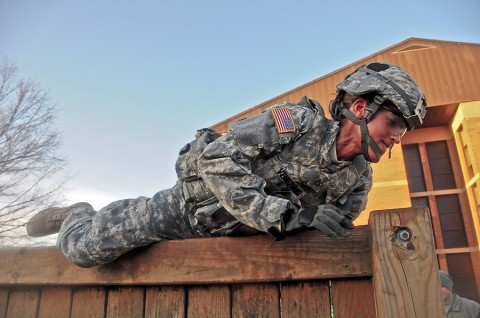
pixel 438 165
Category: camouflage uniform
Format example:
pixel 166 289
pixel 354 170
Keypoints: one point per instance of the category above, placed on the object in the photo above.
pixel 241 183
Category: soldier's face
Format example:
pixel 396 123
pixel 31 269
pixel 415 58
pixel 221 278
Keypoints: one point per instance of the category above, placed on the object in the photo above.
pixel 386 129
pixel 446 294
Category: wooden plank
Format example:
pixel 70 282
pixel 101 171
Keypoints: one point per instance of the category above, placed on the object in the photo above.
pixel 3 301
pixel 432 201
pixel 209 301
pixel 353 298
pixel 305 256
pixel 55 302
pixel 125 302
pixel 88 302
pixel 406 282
pixel 165 302
pixel 305 299
pixel 23 303
pixel 427 135
pixel 256 300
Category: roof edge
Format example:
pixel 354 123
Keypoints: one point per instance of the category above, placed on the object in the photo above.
pixel 392 47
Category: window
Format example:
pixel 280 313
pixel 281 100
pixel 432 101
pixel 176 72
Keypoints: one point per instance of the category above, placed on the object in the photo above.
pixel 432 183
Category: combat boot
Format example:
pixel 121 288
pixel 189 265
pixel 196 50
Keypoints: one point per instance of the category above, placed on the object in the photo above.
pixel 50 220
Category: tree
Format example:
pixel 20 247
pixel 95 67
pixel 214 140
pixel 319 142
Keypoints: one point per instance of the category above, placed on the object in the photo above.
pixel 30 167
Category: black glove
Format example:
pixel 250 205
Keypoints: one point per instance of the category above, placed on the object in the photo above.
pixel 327 219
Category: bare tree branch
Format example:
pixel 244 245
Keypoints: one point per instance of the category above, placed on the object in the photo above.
pixel 31 171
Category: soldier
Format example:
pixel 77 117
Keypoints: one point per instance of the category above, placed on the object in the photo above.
pixel 283 171
pixel 454 305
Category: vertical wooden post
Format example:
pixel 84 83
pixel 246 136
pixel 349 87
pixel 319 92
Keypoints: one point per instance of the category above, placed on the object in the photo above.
pixel 405 270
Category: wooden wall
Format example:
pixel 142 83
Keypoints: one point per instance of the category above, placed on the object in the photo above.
pixel 388 269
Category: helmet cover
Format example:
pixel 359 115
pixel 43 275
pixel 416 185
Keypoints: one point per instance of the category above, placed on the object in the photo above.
pixel 390 82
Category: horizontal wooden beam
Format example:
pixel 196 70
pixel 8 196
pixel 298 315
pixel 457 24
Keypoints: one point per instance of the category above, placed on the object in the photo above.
pixel 305 256
pixel 436 192
pixel 427 135
pixel 458 250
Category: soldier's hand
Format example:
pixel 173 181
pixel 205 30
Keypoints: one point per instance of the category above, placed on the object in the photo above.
pixel 326 218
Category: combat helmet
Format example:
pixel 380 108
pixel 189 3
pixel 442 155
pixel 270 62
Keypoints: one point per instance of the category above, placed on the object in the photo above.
pixel 387 82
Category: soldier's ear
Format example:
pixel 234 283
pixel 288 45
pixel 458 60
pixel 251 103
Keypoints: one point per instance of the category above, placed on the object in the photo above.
pixel 358 108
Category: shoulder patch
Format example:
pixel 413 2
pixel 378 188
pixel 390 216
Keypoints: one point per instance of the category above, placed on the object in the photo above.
pixel 283 120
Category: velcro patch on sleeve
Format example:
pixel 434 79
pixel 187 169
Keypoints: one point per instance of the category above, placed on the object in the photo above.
pixel 283 120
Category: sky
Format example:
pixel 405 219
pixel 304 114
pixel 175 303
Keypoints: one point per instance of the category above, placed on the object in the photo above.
pixel 134 80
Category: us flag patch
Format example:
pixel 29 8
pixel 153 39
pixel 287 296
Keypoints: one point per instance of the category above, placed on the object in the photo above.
pixel 283 120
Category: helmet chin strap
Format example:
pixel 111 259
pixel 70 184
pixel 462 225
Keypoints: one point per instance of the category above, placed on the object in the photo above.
pixel 367 141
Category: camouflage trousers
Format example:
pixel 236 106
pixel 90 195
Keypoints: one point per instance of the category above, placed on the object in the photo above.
pixel 90 238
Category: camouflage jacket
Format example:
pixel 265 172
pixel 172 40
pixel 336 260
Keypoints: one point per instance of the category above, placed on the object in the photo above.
pixel 248 178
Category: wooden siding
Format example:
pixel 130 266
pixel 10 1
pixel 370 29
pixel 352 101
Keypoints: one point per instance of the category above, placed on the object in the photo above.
pixel 447 72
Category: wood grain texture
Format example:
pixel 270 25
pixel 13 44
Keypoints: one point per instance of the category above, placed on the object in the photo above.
pixel 125 302
pixel 306 299
pixel 55 302
pixel 353 298
pixel 209 301
pixel 23 303
pixel 165 302
pixel 256 300
pixel 88 302
pixel 4 293
pixel 406 282
pixel 309 255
